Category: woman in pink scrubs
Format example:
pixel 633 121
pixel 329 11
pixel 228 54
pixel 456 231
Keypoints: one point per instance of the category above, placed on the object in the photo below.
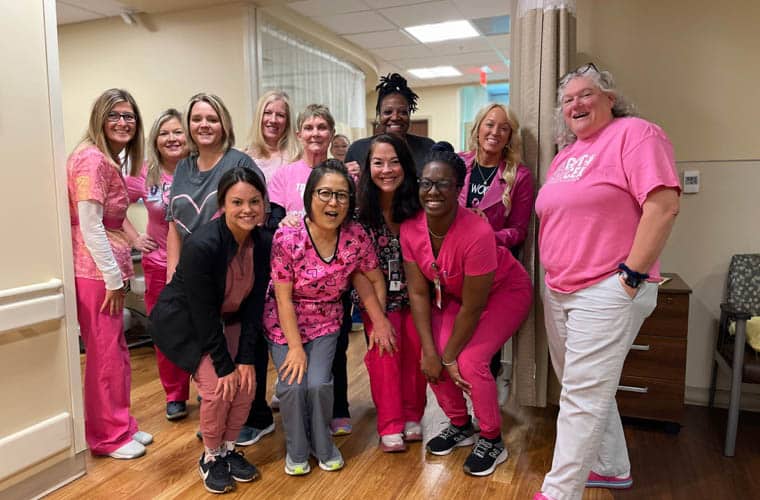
pixel 480 296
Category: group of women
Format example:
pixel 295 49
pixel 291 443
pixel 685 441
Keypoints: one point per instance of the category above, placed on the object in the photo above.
pixel 252 255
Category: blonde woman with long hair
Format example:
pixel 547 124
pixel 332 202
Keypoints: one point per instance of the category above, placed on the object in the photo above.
pixel 272 142
pixel 497 186
pixel 166 146
pixel 98 202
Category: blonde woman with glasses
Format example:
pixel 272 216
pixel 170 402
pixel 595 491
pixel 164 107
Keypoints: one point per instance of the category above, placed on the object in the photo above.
pixel 98 202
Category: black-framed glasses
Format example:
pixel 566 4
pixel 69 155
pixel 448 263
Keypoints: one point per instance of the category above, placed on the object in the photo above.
pixel 442 185
pixel 325 195
pixel 115 116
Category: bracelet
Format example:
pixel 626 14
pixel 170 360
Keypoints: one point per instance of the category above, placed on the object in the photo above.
pixel 451 363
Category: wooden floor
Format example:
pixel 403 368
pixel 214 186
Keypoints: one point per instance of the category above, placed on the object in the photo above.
pixel 684 466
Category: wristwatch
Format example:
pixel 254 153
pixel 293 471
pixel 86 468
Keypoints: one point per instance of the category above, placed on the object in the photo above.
pixel 126 287
pixel 632 278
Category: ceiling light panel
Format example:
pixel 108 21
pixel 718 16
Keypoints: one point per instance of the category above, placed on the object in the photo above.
pixel 439 32
pixel 436 72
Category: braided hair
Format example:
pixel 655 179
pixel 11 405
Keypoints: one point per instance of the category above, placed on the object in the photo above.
pixel 393 83
pixel 444 152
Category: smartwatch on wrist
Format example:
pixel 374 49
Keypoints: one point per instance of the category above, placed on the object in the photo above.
pixel 632 278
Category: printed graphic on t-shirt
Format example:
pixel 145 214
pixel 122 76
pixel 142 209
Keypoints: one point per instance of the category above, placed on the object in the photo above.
pixel 572 169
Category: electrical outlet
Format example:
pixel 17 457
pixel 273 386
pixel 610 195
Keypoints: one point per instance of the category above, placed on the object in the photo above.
pixel 691 181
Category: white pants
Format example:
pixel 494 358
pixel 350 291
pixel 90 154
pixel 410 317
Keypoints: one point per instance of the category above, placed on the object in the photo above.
pixel 589 333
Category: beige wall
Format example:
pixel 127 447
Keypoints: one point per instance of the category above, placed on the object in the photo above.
pixel 37 363
pixel 691 66
pixel 162 60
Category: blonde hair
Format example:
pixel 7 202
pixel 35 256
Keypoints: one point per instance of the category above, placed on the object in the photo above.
pixel 511 154
pixel 287 144
pixel 96 136
pixel 154 157
pixel 216 103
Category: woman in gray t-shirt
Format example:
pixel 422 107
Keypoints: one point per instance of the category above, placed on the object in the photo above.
pixel 192 201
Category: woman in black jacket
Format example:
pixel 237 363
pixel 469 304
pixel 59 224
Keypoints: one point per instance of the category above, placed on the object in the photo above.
pixel 208 319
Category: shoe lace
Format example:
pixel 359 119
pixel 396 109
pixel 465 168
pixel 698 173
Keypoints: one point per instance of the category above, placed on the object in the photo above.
pixel 482 448
pixel 449 431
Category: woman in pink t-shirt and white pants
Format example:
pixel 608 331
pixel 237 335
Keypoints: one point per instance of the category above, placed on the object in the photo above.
pixel 606 210
pixel 481 295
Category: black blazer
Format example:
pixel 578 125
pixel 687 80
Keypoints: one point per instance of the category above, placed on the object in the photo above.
pixel 186 322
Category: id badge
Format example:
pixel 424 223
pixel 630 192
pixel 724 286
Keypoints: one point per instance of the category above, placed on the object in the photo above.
pixel 394 275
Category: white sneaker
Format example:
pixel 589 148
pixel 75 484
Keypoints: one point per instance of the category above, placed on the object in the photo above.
pixel 132 449
pixel 143 438
pixel 392 443
pixel 412 431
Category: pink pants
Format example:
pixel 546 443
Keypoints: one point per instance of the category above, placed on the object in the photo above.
pixel 396 381
pixel 504 313
pixel 221 420
pixel 107 373
pixel 175 380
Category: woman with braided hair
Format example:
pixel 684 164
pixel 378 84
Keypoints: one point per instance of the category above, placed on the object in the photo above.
pixel 395 104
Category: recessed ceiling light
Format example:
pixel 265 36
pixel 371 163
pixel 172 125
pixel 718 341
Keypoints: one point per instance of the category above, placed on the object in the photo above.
pixel 438 32
pixel 437 72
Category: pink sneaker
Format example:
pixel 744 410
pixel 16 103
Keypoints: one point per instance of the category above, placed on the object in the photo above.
pixel 341 426
pixel 612 482
pixel 392 443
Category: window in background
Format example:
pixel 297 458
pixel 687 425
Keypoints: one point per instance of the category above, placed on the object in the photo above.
pixel 311 75
pixel 474 97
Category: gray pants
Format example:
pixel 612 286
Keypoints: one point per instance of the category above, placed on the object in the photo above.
pixel 306 408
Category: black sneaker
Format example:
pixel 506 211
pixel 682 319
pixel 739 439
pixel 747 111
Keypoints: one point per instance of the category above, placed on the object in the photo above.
pixel 485 456
pixel 176 410
pixel 451 437
pixel 216 475
pixel 241 469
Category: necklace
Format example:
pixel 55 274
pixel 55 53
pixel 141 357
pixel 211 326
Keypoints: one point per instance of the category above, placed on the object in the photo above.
pixel 437 236
pixel 487 182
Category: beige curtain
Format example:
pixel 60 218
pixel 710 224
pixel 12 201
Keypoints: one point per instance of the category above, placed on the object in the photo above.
pixel 543 44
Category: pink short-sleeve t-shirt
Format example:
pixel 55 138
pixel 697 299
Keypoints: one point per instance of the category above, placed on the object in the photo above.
pixel 156 201
pixel 92 177
pixel 590 204
pixel 317 284
pixel 469 248
pixel 287 185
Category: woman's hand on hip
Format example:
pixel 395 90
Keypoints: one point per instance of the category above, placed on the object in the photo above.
pixel 431 367
pixel 113 304
pixel 247 378
pixel 227 386
pixel 453 371
pixel 294 366
pixel 144 243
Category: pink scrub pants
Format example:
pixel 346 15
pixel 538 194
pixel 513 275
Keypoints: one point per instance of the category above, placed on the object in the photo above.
pixel 396 381
pixel 107 374
pixel 175 380
pixel 506 310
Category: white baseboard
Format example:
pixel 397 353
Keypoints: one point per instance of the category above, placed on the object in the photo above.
pixel 34 444
pixel 700 396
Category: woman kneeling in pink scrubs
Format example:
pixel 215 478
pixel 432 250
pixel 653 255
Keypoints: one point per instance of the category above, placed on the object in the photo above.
pixel 468 297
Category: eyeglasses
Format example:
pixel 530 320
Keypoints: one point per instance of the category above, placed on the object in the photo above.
pixel 442 185
pixel 325 195
pixel 581 70
pixel 114 117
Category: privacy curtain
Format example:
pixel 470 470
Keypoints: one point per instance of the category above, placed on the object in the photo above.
pixel 543 45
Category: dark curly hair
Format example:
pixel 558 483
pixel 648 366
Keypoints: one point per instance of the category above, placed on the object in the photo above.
pixel 444 152
pixel 393 83
pixel 331 166
pixel 405 204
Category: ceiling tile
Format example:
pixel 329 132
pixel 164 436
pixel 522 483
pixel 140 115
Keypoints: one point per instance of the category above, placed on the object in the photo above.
pixel 470 59
pixel 474 9
pixel 67 14
pixel 381 4
pixel 425 13
pixel 321 8
pixel 106 8
pixel 391 53
pixel 357 22
pixel 380 39
pixel 465 45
